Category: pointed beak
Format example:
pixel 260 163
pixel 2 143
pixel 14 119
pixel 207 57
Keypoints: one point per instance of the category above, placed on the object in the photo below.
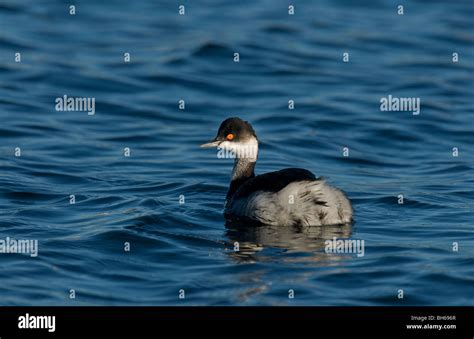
pixel 213 143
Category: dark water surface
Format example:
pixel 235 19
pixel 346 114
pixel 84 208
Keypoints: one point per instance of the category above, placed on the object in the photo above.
pixel 188 246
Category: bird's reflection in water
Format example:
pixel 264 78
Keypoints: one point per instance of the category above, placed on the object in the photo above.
pixel 248 242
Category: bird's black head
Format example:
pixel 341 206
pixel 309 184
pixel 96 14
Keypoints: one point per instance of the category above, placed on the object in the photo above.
pixel 233 131
pixel 236 130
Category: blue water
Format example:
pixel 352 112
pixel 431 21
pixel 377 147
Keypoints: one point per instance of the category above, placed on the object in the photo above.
pixel 188 246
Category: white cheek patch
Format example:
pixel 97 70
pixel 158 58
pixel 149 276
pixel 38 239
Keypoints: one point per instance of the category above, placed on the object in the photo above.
pixel 241 150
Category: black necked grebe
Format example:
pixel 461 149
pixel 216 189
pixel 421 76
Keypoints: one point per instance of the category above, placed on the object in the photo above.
pixel 292 196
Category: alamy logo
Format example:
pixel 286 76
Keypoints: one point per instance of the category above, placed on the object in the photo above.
pixel 37 322
pixel 72 104
pixel 345 246
pixel 400 104
pixel 23 246
pixel 241 151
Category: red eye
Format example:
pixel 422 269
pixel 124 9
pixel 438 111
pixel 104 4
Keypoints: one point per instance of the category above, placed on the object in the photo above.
pixel 230 136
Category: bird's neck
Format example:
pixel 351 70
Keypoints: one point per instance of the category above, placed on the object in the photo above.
pixel 244 164
pixel 243 171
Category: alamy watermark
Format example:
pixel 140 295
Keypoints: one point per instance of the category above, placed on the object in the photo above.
pixel 73 104
pixel 28 321
pixel 345 246
pixel 391 103
pixel 249 151
pixel 23 246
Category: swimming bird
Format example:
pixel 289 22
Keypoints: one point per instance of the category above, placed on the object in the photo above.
pixel 289 197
